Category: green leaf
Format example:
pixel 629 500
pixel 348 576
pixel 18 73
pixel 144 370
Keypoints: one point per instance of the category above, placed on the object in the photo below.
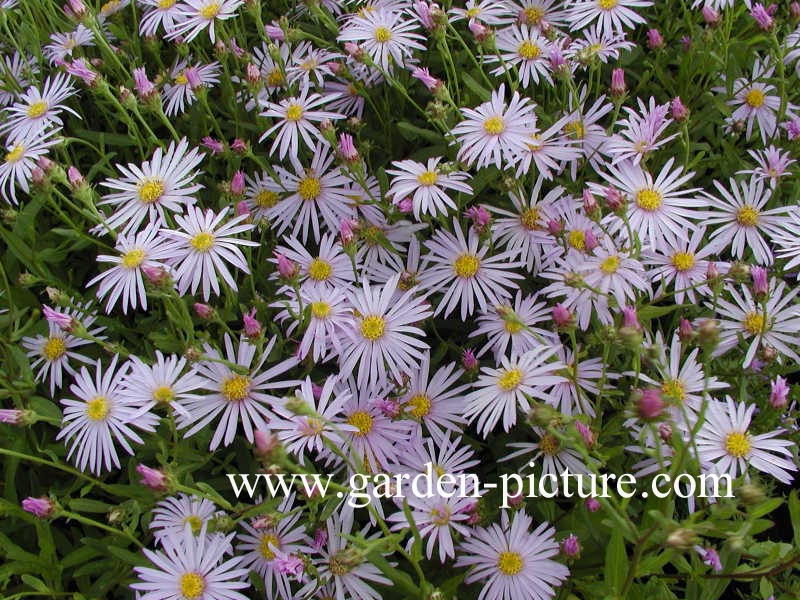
pixel 766 507
pixel 412 133
pixel 794 514
pixel 476 88
pixel 35 583
pixel 616 567
pixel 86 505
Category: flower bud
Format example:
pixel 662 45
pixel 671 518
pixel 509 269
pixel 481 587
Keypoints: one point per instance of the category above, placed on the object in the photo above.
pixel 155 275
pixel 252 328
pixel 239 146
pixel 40 507
pixel 794 10
pixel 265 442
pixel 678 109
pixel 589 203
pixel 347 148
pixel 649 404
pixel 479 31
pixel 685 331
pixel 468 360
pixel 155 479
pixel 593 505
pixel 708 333
pixel 75 178
pixel 711 16
pixel 665 432
pixel 654 39
pixel 204 311
pixel 618 87
pixel 586 433
pixel 750 494
pixel 561 316
pixel 215 146
pixel 286 268
pixel 571 546
pixel 406 206
pixel 555 227
pixel 681 539
pixel 762 17
pixel 779 394
pixel 760 284
pixel 62 320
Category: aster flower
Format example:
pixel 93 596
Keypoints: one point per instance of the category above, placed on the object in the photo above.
pixel 172 515
pixel 163 182
pixel 16 74
pixel 20 158
pixel 385 35
pixel 522 46
pixel 426 185
pixel 328 268
pixel 549 151
pixel 202 246
pixel 62 45
pixel 596 42
pixel 185 79
pixel 571 396
pixel 639 134
pixel 458 263
pixel 539 13
pixel 612 16
pixel 726 445
pixel 489 12
pixel 614 274
pixel 52 353
pixel 163 383
pixel 158 13
pixel 295 118
pixel 569 285
pixel 381 243
pixel 316 194
pixel 191 567
pixel 262 547
pixel 743 220
pixel 774 322
pixel 309 65
pixel 383 336
pixel 583 125
pixel 553 456
pixel 681 266
pixel 754 103
pixel 495 132
pixel 36 110
pixel 512 561
pixel 124 280
pixel 261 194
pixel 98 416
pixel 772 165
pixel 195 16
pixel 235 396
pixel 498 392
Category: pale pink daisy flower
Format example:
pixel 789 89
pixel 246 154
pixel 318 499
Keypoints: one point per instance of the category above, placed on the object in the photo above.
pixel 158 13
pixel 383 336
pixel 36 110
pixel 523 47
pixel 17 73
pixel 555 458
pixel 98 416
pixel 202 247
pixel 772 165
pixel 569 285
pixel 20 159
pixel 63 45
pixel 597 42
pixel 235 396
pixel 385 35
pixel 426 185
pixel 489 12
pixel 174 513
pixel 612 16
pixel 495 133
pixel 461 265
pixel 639 134
pixel 195 16
pixel 295 118
pixel 539 13
pixel 310 65
pixel 572 396
pixel 549 151
pixel 511 561
pixel 124 281
pixel 185 79
pixel 583 125
pixel 165 383
pixel 329 267
pixel 754 102
pixel 681 266
pixel 742 220
pixel 261 194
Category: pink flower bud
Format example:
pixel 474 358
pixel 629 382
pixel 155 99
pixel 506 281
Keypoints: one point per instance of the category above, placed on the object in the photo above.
pixel 589 202
pixel 589 240
pixel 423 12
pixel 760 284
pixel 479 31
pixel 275 33
pixel 618 87
pixel 252 328
pixel 561 316
pixel 347 230
pixel 406 205
pixel 388 407
pixel 336 68
pixel 62 320
pixel 237 183
pixel 614 198
pixel 665 432
pixel 155 275
pixel 11 416
pixel 75 178
pixel 794 10
pixel 479 216
pixel 37 176
pixel 654 39
pixel 557 61
pixel 78 8
pixel 242 208
pixel 347 148
pixel 144 87
pixel 586 433
pixel 45 164
pixel 779 394
pixel 239 146
pixel 320 539
pixel 213 145
pixel 762 17
pixel 712 273
pixel 289 565
pixel 555 227
pixel 593 504
pixel 316 390
pixel 679 111
pixel 193 78
pixel 630 318
pixel 571 546
pixel 238 52
pixel 424 75
pixel 354 50
pixel 711 16
pixel 40 507
pixel 78 68
pixel 253 74
pixel 155 479
pixel 685 330
pixel 204 311
pixel 265 442
pixel 649 404
pixel 686 41
pixel 516 500
pixel 469 361
pixel 286 268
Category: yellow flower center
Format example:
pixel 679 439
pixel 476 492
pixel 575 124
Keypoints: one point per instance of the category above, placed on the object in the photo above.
pixel 54 348
pixel 150 191
pixel 320 309
pixel 473 12
pixel 610 265
pixel 181 78
pixel 649 200
pixel 737 444
pixel 754 323
pixel 420 405
pixel 202 241
pixel 747 216
pixel 606 4
pixel 37 109
pixel 549 444
pixel 15 153
pixel 674 389
pixel 466 265
pixel 165 4
pixel 510 379
pixel 195 523
pixel 683 261
pixel 577 239
pixel 428 178
pixel 294 112
pixel 98 408
pixel 163 394
pixel 528 50
pixel 362 421
pixel 509 563
pixel 319 270
pixel 575 129
pixel 268 540
pixel 266 199
pixel 530 218
pixel 512 326
pixel 235 388
pixel 309 188
pixel 133 258
pixel 109 7
pixel 192 585
pixel 494 125
pixel 382 35
pixel 533 14
pixel 536 144
pixel 441 516
pixel 372 327
pixel 275 78
pixel 210 11
pixel 754 98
